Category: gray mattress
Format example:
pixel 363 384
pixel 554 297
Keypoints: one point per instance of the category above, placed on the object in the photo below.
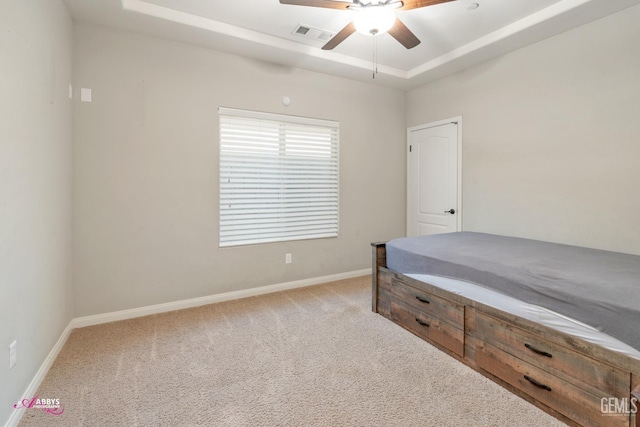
pixel 599 288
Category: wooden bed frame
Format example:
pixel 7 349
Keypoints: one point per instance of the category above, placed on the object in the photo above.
pixel 578 382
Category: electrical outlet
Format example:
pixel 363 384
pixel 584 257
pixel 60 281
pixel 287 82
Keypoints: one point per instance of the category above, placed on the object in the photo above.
pixel 287 259
pixel 13 357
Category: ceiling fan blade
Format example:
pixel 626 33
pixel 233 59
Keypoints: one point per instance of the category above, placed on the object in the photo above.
pixel 340 37
pixel 328 4
pixel 415 4
pixel 400 32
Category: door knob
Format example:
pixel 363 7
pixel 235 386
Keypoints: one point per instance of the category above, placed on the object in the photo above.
pixel 451 211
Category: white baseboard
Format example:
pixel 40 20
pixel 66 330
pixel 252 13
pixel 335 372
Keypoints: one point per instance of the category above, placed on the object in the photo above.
pixel 32 389
pixel 81 322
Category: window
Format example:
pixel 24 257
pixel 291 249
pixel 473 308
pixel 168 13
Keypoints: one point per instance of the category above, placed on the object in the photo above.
pixel 278 178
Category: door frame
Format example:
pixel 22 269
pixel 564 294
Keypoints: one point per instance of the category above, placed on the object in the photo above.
pixel 458 121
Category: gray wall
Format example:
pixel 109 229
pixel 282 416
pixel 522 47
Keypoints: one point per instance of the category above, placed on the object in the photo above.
pixel 35 187
pixel 146 170
pixel 551 136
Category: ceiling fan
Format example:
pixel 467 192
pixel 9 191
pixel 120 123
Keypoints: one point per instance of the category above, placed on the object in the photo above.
pixel 374 17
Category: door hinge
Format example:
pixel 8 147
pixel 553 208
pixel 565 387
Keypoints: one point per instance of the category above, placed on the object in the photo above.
pixel 409 148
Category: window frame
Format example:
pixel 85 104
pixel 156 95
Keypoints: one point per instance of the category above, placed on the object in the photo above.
pixel 312 155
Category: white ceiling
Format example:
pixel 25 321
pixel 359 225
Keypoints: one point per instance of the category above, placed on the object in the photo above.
pixel 453 37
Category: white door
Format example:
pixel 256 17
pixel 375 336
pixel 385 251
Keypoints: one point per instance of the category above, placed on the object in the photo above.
pixel 433 180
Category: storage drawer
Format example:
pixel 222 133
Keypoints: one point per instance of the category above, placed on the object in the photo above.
pixel 572 401
pixel 428 327
pixel 443 309
pixel 593 376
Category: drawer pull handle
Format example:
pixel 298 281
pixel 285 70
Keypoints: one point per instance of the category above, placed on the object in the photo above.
pixel 536 383
pixel 424 300
pixel 535 350
pixel 422 322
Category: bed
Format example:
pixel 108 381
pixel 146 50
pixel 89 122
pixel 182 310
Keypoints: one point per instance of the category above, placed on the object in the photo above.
pixel 555 324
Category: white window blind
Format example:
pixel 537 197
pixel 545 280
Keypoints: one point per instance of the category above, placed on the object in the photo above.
pixel 278 178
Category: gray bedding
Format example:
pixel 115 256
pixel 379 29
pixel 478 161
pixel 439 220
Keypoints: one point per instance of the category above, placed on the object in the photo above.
pixel 599 288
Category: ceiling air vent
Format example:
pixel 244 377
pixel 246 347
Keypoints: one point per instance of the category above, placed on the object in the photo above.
pixel 312 33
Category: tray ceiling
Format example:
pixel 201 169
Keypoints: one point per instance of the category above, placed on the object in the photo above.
pixel 454 35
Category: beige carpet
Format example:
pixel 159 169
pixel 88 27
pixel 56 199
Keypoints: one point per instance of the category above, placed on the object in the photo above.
pixel 315 356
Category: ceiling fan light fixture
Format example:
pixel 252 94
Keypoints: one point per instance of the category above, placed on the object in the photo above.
pixel 374 20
